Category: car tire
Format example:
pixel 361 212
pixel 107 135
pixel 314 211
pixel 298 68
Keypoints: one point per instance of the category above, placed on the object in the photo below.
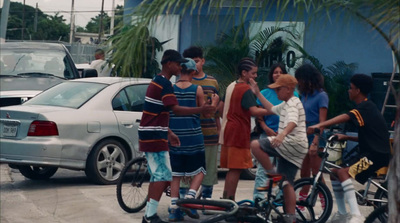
pixel 106 161
pixel 37 172
pixel 250 174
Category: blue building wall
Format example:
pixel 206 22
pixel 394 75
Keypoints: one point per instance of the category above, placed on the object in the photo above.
pixel 341 39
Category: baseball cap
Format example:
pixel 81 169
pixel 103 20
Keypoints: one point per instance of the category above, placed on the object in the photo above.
pixel 190 64
pixel 285 80
pixel 172 55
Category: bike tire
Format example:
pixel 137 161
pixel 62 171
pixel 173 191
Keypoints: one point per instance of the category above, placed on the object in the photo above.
pixel 377 215
pixel 203 204
pixel 322 189
pixel 381 195
pixel 132 186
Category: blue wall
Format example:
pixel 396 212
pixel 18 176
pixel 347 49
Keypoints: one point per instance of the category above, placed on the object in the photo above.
pixel 346 39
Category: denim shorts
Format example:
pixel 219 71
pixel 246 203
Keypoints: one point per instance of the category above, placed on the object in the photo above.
pixel 284 167
pixel 159 166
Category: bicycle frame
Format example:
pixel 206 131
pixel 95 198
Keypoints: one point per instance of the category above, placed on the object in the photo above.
pixel 326 167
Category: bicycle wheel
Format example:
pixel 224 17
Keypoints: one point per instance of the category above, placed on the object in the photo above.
pixel 132 186
pixel 312 208
pixel 203 204
pixel 381 195
pixel 376 215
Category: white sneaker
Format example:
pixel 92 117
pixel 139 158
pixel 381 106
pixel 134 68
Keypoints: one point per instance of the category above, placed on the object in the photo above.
pixel 357 219
pixel 340 218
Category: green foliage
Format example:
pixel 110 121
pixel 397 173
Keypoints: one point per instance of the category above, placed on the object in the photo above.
pixel 48 27
pixel 337 82
pixel 223 57
pixel 135 65
pixel 93 26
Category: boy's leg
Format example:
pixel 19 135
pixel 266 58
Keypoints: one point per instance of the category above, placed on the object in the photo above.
pixel 289 170
pixel 160 171
pixel 260 154
pixel 211 178
pixel 260 181
pixel 231 182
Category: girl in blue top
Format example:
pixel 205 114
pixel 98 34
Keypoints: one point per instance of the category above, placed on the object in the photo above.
pixel 315 102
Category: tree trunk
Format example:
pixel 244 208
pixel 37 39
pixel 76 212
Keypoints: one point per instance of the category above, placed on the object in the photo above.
pixel 394 174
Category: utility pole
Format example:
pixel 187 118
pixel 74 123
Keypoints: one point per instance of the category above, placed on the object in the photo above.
pixel 72 24
pixel 101 21
pixel 23 21
pixel 112 18
pixel 36 15
pixel 4 20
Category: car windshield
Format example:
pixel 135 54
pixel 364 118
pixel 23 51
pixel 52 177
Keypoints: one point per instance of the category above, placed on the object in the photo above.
pixel 32 62
pixel 67 94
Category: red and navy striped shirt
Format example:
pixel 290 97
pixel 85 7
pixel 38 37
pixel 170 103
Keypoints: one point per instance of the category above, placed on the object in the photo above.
pixel 153 128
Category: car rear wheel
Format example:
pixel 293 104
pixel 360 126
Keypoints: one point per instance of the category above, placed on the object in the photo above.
pixel 37 172
pixel 106 161
pixel 250 174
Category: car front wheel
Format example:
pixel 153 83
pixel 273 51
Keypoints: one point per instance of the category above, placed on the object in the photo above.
pixel 37 172
pixel 106 161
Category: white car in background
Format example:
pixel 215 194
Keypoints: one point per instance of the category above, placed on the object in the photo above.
pixel 85 124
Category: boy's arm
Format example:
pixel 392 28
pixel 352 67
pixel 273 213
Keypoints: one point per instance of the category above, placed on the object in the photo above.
pixel 256 90
pixel 182 110
pixel 336 120
pixel 277 141
pixel 173 139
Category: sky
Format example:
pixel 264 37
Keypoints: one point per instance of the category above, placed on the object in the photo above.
pixel 84 9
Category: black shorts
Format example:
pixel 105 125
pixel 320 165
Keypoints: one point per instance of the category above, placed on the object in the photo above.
pixel 379 160
pixel 284 167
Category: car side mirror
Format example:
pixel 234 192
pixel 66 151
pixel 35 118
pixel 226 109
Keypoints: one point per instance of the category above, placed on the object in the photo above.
pixel 89 73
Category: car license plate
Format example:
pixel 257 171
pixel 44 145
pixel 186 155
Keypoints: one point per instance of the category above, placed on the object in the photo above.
pixel 10 130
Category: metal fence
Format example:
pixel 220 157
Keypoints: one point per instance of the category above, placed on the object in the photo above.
pixel 82 53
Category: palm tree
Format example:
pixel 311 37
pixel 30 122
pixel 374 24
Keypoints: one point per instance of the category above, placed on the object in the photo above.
pixel 382 15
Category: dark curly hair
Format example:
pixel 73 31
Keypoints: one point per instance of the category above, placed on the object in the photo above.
pixel 309 78
pixel 193 52
pixel 272 69
pixel 362 82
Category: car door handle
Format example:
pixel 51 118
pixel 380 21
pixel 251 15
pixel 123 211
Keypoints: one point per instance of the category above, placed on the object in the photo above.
pixel 127 124
pixel 138 120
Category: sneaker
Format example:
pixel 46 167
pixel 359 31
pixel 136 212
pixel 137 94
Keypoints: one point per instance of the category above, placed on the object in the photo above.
pixel 356 219
pixel 191 213
pixel 340 218
pixel 304 212
pixel 175 214
pixel 152 219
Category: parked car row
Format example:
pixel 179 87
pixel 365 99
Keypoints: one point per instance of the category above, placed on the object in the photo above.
pixel 28 68
pixel 84 124
pixel 52 118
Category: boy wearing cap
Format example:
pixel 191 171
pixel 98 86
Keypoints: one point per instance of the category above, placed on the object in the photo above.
pixel 187 160
pixel 373 140
pixel 154 134
pixel 210 125
pixel 290 145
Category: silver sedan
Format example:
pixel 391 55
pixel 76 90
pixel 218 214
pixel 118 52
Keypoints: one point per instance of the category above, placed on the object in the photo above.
pixel 87 124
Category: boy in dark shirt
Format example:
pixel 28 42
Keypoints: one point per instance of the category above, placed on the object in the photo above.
pixel 373 139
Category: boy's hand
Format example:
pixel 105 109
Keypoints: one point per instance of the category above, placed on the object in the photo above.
pixel 342 137
pixel 310 129
pixel 214 100
pixel 277 141
pixel 208 109
pixel 173 139
pixel 253 85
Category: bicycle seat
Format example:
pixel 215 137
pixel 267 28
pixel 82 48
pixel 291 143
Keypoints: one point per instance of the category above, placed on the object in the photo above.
pixel 382 171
